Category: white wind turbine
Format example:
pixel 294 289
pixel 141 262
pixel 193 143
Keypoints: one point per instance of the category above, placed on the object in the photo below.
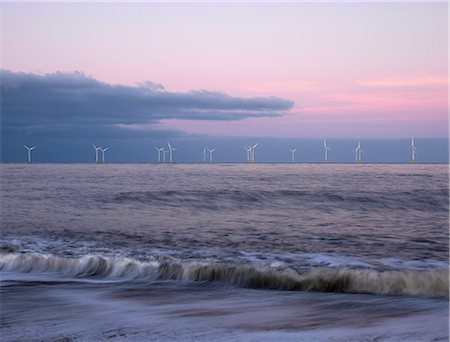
pixel 29 149
pixel 159 150
pixel 103 153
pixel 326 149
pixel 204 155
pixel 164 154
pixel 293 153
pixel 211 154
pixel 171 149
pixel 252 152
pixel 96 152
pixel 358 153
pixel 249 152
pixel 413 151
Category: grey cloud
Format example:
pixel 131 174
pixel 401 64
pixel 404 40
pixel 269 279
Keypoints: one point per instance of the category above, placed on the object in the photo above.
pixel 73 102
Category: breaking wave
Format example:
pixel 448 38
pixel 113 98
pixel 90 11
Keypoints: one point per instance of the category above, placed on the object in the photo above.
pixel 429 283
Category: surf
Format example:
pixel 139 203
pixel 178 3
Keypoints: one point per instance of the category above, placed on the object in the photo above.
pixel 427 283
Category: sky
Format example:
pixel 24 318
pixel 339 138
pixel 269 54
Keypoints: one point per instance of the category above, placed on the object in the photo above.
pixel 137 75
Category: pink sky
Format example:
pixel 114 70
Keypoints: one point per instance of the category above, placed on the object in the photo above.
pixel 355 69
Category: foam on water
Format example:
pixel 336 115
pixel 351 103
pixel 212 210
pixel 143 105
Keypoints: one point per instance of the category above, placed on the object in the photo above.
pixel 431 283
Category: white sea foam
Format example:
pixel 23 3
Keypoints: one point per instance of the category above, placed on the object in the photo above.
pixel 432 283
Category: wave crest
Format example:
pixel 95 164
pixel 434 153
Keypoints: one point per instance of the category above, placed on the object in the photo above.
pixel 430 283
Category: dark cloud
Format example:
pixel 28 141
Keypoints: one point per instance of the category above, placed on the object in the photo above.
pixel 74 104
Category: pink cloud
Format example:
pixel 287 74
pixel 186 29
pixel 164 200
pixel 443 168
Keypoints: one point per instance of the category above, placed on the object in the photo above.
pixel 426 81
pixel 281 87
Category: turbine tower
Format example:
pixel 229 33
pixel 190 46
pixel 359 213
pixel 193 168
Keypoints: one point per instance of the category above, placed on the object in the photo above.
pixel 204 155
pixel 96 152
pixel 164 155
pixel 249 152
pixel 29 149
pixel 326 149
pixel 171 149
pixel 293 153
pixel 159 150
pixel 211 154
pixel 358 152
pixel 252 152
pixel 103 153
pixel 413 151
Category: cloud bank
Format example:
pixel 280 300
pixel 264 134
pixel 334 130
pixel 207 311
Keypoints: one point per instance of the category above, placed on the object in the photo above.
pixel 73 104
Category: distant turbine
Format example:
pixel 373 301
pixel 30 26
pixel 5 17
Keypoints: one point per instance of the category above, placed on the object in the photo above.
pixel 164 155
pixel 204 155
pixel 171 149
pixel 29 149
pixel 413 151
pixel 103 153
pixel 358 153
pixel 293 153
pixel 249 152
pixel 159 153
pixel 210 154
pixel 326 149
pixel 252 152
pixel 96 152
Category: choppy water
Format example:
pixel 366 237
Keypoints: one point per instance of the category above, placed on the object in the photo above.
pixel 201 252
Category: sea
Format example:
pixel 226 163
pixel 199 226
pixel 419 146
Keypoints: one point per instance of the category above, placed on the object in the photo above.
pixel 224 252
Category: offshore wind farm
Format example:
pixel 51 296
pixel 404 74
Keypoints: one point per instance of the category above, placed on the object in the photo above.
pixel 207 155
pixel 242 171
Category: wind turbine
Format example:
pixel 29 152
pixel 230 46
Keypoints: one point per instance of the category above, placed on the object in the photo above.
pixel 171 149
pixel 210 154
pixel 29 149
pixel 358 152
pixel 204 155
pixel 96 152
pixel 103 153
pixel 326 149
pixel 164 155
pixel 293 153
pixel 249 152
pixel 159 153
pixel 252 152
pixel 413 151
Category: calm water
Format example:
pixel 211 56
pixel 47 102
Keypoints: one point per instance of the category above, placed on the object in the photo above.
pixel 224 252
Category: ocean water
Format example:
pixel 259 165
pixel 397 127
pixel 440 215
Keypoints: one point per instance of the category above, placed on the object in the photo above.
pixel 224 252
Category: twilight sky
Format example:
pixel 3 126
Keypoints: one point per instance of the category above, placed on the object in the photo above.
pixel 273 70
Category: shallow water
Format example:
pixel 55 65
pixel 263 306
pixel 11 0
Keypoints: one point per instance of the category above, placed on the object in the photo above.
pixel 201 252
